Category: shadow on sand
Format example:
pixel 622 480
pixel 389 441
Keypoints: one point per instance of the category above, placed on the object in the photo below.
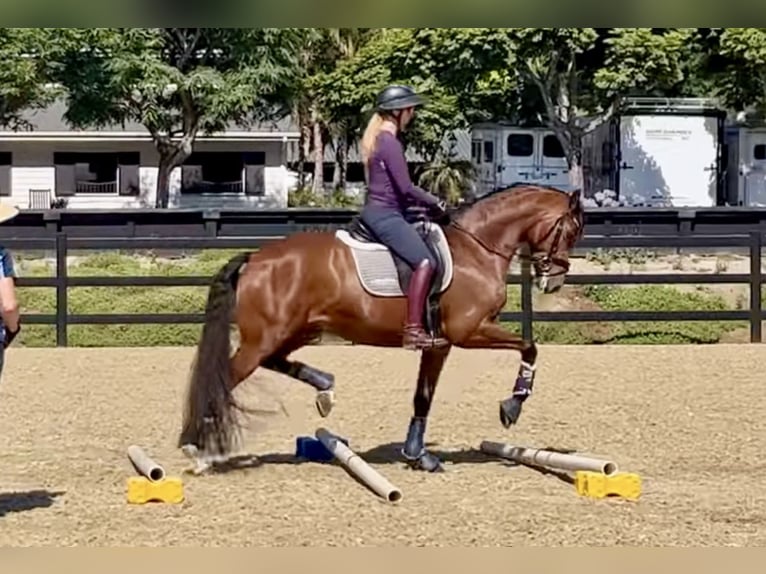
pixel 25 501
pixel 390 453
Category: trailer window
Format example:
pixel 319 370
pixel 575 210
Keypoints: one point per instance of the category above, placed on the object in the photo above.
pixel 489 152
pixel 552 147
pixel 476 150
pixel 520 145
pixel 759 152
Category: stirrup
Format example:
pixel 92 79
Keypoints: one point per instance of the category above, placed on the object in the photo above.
pixel 416 338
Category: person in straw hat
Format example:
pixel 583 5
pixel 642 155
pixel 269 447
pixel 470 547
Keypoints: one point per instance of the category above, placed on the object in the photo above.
pixel 9 307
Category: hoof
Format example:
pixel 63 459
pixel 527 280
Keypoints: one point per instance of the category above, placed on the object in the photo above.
pixel 426 461
pixel 510 409
pixel 324 402
pixel 202 463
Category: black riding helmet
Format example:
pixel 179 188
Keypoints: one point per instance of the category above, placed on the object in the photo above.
pixel 398 97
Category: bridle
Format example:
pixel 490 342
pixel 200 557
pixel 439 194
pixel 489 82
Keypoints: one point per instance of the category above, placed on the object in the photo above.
pixel 546 260
pixel 543 261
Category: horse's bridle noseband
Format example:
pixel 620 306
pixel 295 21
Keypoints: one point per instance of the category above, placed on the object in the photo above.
pixel 546 261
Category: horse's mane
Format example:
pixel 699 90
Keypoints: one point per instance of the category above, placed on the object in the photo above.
pixel 513 188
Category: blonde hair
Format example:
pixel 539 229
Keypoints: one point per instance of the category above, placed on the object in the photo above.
pixel 370 136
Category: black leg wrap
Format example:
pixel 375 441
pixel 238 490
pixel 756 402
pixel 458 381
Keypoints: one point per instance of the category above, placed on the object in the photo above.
pixel 414 448
pixel 320 380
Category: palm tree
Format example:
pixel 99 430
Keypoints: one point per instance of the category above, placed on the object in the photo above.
pixel 343 132
pixel 321 53
pixel 450 179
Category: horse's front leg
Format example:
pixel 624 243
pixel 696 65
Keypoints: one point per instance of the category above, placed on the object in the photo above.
pixel 431 364
pixel 491 335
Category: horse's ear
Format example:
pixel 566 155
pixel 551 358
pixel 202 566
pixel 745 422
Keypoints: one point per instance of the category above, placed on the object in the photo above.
pixel 574 199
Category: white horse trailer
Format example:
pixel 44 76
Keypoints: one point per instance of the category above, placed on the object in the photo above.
pixel 659 153
pixel 746 174
pixel 505 154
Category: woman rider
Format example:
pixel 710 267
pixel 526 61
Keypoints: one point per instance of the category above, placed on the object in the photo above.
pixel 390 193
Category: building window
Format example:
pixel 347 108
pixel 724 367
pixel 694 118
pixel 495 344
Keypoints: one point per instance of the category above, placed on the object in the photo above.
pixel 223 173
pixel 6 161
pixel 759 152
pixel 97 173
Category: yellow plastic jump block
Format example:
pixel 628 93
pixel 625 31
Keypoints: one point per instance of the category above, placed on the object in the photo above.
pixel 597 485
pixel 142 490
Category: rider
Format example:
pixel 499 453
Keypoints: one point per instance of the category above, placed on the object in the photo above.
pixel 390 193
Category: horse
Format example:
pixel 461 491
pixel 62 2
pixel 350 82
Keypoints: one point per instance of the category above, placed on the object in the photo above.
pixel 342 282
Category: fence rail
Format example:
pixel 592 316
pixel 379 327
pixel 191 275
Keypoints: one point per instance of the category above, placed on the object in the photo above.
pixel 65 232
pixel 606 222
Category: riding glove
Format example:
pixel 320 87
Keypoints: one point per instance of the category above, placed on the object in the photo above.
pixel 10 335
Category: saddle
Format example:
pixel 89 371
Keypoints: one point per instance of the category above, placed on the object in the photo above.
pixel 384 274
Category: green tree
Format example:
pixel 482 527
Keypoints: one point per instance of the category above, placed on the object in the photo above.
pixel 735 65
pixel 345 44
pixel 177 82
pixel 645 61
pixel 344 91
pixel 23 78
pixel 321 54
pixel 581 74
pixel 449 65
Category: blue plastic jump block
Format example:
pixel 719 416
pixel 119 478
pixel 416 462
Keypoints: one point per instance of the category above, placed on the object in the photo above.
pixel 311 448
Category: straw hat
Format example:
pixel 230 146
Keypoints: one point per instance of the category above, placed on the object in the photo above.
pixel 7 212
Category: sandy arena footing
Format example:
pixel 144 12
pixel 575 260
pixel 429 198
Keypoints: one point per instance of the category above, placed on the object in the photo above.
pixel 688 419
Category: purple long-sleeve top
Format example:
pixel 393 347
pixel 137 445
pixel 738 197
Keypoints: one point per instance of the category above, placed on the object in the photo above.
pixel 389 184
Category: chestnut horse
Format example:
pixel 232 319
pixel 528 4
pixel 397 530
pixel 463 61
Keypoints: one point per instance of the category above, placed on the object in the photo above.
pixel 288 292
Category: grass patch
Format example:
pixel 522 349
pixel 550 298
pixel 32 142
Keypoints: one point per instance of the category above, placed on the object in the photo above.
pixel 662 298
pixel 558 333
pixel 122 300
pixel 640 298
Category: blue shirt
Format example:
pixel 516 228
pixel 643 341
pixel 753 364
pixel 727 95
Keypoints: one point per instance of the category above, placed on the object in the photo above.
pixel 7 269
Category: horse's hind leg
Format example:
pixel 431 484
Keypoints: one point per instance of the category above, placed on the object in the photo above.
pixel 242 364
pixel 324 383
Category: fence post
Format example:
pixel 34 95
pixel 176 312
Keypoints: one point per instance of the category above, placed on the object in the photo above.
pixel 755 287
pixel 526 297
pixel 62 283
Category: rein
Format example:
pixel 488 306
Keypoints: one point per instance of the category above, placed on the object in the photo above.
pixel 478 240
pixel 545 260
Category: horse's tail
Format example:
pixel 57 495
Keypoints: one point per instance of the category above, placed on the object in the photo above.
pixel 209 412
